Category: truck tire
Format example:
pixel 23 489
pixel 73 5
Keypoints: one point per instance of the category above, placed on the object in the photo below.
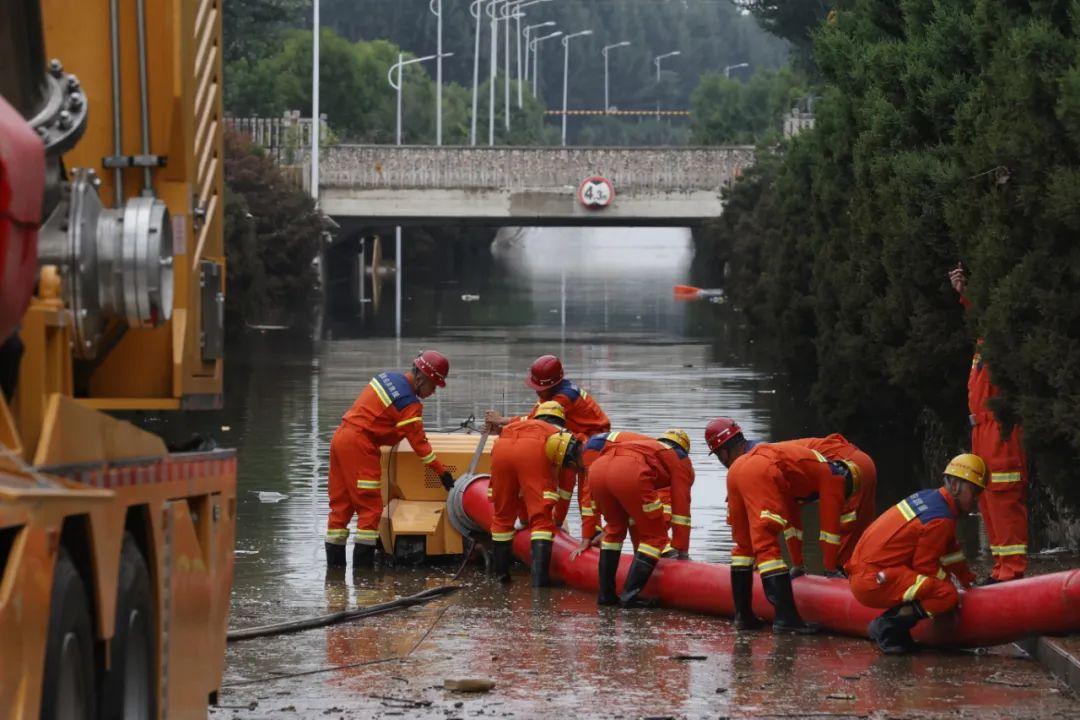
pixel 128 689
pixel 67 692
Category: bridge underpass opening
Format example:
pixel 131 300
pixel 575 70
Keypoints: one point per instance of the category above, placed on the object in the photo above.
pixel 564 282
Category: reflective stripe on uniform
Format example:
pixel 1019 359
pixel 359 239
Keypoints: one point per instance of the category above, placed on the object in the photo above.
pixel 779 520
pixel 941 574
pixel 503 536
pixel 819 456
pixel 1008 550
pixel 429 458
pixel 952 558
pixel 742 561
pixel 831 538
pixel 337 536
pixel 612 436
pixel 542 535
pixel 646 549
pixel 610 545
pixel 848 517
pixel 369 484
pixel 551 495
pixel 667 509
pixel 587 512
pixel 680 520
pixel 403 423
pixel 566 494
pixel 792 532
pixel 909 594
pixel 490 491
pixel 383 397
pixel 905 509
pixel 652 507
pixel 367 537
pixel 1005 477
pixel 770 565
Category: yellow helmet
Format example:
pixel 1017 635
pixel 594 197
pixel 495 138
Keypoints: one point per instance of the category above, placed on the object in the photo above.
pixel 968 467
pixel 677 436
pixel 551 408
pixel 557 446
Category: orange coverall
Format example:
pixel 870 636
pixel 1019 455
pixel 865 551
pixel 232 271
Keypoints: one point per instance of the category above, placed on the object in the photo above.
pixel 914 545
pixel 625 479
pixel 590 515
pixel 584 418
pixel 1004 504
pixel 522 473
pixel 385 412
pixel 858 511
pixel 762 485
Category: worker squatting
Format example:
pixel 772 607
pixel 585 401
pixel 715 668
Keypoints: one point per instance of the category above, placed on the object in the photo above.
pixel 905 561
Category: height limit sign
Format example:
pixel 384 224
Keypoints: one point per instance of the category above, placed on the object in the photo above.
pixel 596 192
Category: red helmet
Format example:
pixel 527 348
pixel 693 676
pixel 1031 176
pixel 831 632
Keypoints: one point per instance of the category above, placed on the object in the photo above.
pixel 546 372
pixel 719 431
pixel 434 365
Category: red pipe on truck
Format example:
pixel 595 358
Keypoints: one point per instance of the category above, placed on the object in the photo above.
pixel 1046 604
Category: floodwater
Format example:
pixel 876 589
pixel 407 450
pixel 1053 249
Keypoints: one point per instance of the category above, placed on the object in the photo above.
pixel 602 300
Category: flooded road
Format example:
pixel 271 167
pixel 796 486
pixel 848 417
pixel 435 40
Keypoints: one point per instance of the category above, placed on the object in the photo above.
pixel 602 301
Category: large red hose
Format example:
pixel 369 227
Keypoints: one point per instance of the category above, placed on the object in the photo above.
pixel 1047 604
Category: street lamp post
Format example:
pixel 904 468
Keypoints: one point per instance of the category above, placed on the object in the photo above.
pixel 604 52
pixel 436 8
pixel 528 46
pixel 492 11
pixel 399 69
pixel 729 68
pixel 536 56
pixel 314 103
pixel 477 11
pixel 566 74
pixel 656 61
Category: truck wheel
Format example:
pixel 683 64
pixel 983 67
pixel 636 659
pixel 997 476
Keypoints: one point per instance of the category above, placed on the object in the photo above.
pixel 68 688
pixel 128 690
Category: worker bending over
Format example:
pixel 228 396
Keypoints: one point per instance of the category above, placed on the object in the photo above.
pixel 762 481
pixel 904 560
pixel 524 462
pixel 624 482
pixel 386 411
pixel 584 418
pixel 859 507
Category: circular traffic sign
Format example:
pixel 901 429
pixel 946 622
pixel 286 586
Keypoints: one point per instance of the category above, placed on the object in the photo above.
pixel 596 192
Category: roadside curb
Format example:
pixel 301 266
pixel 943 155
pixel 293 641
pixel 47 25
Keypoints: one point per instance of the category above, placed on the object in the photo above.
pixel 1052 654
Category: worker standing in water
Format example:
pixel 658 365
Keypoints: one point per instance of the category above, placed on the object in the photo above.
pixel 904 559
pixel 584 418
pixel 624 481
pixel 1004 504
pixel 762 480
pixel 387 411
pixel 525 461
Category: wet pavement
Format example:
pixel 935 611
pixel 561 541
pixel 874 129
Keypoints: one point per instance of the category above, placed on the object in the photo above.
pixel 652 363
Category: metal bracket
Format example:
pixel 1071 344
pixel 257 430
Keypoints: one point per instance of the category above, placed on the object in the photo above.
pixel 128 161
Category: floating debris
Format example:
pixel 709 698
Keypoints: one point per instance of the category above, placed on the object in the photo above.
pixel 469 298
pixel 270 496
pixel 468 684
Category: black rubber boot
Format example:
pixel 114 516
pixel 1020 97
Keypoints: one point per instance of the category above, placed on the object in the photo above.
pixel 502 554
pixel 742 592
pixel 609 565
pixel 640 571
pixel 541 563
pixel 778 590
pixel 335 555
pixel 891 630
pixel 363 556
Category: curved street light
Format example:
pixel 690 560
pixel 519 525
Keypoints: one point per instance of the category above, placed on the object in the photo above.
pixel 566 74
pixel 536 55
pixel 604 52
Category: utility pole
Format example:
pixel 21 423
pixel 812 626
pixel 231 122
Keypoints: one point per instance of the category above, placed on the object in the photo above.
pixel 476 8
pixel 566 74
pixel 604 52
pixel 536 56
pixel 315 102
pixel 436 7
pixel 656 61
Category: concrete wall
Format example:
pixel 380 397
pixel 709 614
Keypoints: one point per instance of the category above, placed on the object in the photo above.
pixel 659 186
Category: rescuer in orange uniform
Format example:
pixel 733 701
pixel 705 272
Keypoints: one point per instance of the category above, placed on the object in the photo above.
pixel 524 462
pixel 762 480
pixel 905 557
pixel 858 511
pixel 584 418
pixel 624 482
pixel 387 410
pixel 1004 504
pixel 590 514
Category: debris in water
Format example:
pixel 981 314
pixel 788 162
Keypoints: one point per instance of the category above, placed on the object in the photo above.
pixel 1054 551
pixel 468 684
pixel 469 298
pixel 996 680
pixel 721 691
pixel 689 657
pixel 225 428
pixel 840 696
pixel 270 496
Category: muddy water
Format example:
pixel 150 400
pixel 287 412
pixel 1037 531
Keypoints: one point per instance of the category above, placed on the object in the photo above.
pixel 603 302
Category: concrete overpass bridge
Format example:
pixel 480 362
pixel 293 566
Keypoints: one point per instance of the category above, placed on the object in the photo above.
pixel 423 185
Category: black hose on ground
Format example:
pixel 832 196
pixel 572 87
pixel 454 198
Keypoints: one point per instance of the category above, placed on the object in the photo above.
pixel 342 616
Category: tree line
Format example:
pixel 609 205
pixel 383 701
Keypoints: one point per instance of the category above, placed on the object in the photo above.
pixel 946 131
